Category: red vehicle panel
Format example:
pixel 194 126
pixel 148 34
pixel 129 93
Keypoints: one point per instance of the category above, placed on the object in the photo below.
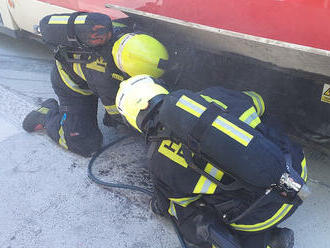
pixel 303 22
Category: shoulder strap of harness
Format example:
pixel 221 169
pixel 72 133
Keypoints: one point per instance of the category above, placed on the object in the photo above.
pixel 207 117
pixel 195 136
pixel 78 80
pixel 190 161
pixel 83 48
pixel 71 32
pixel 205 120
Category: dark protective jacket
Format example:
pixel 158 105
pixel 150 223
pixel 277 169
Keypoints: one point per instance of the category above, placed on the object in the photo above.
pixel 182 186
pixel 227 131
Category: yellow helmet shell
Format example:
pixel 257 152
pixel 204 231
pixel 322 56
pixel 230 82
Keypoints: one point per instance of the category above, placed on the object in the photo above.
pixel 138 54
pixel 134 95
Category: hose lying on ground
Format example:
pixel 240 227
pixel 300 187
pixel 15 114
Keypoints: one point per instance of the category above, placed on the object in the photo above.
pixel 120 185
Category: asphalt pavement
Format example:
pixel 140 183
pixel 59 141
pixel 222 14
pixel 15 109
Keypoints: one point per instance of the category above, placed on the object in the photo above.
pixel 47 200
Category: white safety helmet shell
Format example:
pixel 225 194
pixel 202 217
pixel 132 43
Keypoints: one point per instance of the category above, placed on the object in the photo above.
pixel 134 95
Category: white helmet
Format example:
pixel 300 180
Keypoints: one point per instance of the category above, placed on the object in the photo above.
pixel 134 96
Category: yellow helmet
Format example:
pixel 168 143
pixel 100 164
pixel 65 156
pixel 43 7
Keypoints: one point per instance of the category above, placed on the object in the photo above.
pixel 136 95
pixel 138 54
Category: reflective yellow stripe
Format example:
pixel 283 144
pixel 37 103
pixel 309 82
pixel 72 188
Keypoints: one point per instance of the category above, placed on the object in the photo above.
pixel 257 100
pixel 62 140
pixel 117 24
pixel 77 67
pixel 58 19
pixel 98 65
pixel 112 110
pixel 220 123
pixel 68 81
pixel 172 210
pixel 43 110
pixel 304 170
pixel 117 76
pixel 209 99
pixel 172 151
pixel 204 185
pixel 80 19
pixel 64 19
pixel 190 106
pixel 279 215
pixel 121 48
pixel 250 117
pixel 184 202
pixel 232 130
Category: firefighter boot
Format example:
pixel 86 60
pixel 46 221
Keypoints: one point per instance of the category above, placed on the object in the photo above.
pixel 109 121
pixel 112 120
pixel 156 206
pixel 159 203
pixel 281 238
pixel 35 120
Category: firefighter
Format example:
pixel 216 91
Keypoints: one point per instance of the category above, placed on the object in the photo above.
pixel 229 198
pixel 84 71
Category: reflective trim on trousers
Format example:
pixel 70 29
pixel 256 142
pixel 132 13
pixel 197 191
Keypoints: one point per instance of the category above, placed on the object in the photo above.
pixel 184 202
pixel 278 216
pixel 172 210
pixel 304 170
pixel 62 140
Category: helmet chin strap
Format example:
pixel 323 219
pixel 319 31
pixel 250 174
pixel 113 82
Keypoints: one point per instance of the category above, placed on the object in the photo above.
pixel 146 116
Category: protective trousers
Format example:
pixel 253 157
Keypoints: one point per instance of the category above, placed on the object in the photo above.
pixel 191 219
pixel 74 124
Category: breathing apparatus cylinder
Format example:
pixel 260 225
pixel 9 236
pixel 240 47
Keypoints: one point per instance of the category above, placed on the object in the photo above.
pixel 225 141
pixel 76 30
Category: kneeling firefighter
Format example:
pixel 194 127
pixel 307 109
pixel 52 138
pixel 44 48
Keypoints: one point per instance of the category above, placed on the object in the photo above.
pixel 92 56
pixel 219 169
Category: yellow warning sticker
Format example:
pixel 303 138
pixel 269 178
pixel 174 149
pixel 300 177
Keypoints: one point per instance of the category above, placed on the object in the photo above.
pixel 326 93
